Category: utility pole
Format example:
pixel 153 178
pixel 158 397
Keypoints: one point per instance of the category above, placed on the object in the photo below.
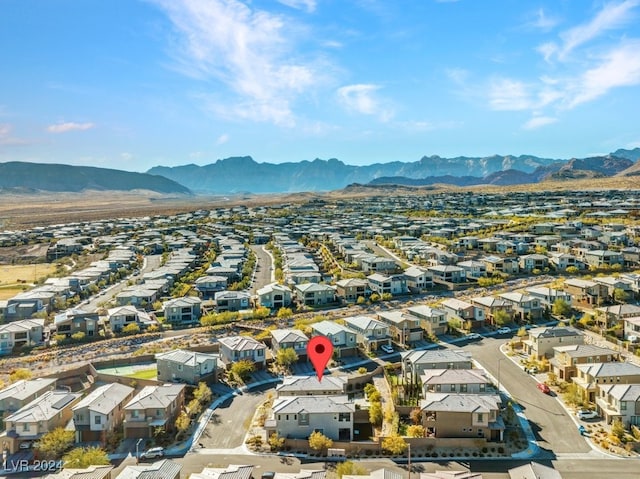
pixel 409 461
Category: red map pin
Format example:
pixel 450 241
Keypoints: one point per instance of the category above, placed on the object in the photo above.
pixel 319 351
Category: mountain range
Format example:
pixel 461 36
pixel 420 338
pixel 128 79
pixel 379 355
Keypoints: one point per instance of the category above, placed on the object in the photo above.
pixel 24 177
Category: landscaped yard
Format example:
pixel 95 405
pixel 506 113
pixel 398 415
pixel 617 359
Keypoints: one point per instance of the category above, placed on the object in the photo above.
pixel 144 374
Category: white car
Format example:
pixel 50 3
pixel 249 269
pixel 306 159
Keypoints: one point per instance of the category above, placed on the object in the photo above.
pixel 386 348
pixel 474 336
pixel 25 445
pixel 504 330
pixel 587 414
pixel 152 453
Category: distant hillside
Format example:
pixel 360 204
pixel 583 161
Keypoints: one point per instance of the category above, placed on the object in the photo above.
pixel 21 176
pixel 593 167
pixel 239 174
pixel 633 155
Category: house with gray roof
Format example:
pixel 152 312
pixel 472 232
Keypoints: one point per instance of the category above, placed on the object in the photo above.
pixel 455 415
pixel 76 320
pixel 312 294
pixel 619 402
pixel 290 339
pixel 237 348
pixel 525 307
pixel 208 285
pixel 190 367
pixel 465 381
pixel 414 363
pixel 343 338
pixel 404 328
pixel 153 407
pixel 351 289
pixel 230 472
pixel 590 376
pixel 26 332
pixel 534 470
pixel 22 392
pixel 162 469
pixel 183 311
pixel 101 412
pixel 370 333
pixel 432 320
pixel 541 341
pixel 122 316
pixel 296 417
pixel 42 415
pixel 311 386
pixel 274 296
pixel 566 358
pixel 91 472
pixel 232 301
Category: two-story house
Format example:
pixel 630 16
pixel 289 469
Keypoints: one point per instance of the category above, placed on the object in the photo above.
pixel 351 289
pixel 311 386
pixel 498 264
pixel 274 296
pixel 184 366
pixel 313 294
pixel 290 339
pixel 343 338
pixel 619 402
pixel 370 333
pixel 473 269
pixel 22 392
pixel 296 417
pixel 529 262
pixel 101 412
pixel 153 407
pixel 414 363
pixel 464 381
pixel 122 316
pixel 26 332
pixel 76 320
pixel 418 279
pixel 599 258
pixel 566 358
pixel 45 413
pixel 237 348
pixel 232 301
pixel 382 284
pixel 444 274
pixel 618 314
pixel 547 296
pixel 432 320
pixel 541 341
pixel 591 376
pixel 491 305
pixel 180 312
pixel 208 285
pixel 463 311
pixel 525 307
pixel 404 328
pixel 454 415
pixel 585 291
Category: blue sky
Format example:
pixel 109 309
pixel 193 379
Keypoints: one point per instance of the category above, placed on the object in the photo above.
pixel 132 84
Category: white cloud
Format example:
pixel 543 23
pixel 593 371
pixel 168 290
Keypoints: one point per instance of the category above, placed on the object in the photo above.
pixel 611 17
pixel 619 67
pixel 361 98
pixel 509 95
pixel 69 126
pixel 308 5
pixel 6 137
pixel 249 50
pixel 539 121
pixel 222 139
pixel 541 20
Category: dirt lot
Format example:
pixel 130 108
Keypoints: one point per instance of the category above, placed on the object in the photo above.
pixel 17 278
pixel 23 254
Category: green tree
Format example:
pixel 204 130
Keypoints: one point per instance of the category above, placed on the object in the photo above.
pixel 360 300
pixel 395 445
pixel 242 369
pixel 286 357
pixel 415 430
pixel 572 395
pixel 374 298
pixel 501 317
pixel 284 313
pixel 194 407
pixel 350 468
pixel 617 429
pixel 83 457
pixel 19 374
pixel 620 295
pixel 79 336
pixel 56 442
pixel 561 307
pixel 203 393
pixel 261 313
pixel 319 442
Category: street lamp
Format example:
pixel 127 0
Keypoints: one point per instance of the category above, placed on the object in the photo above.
pixel 499 360
pixel 137 455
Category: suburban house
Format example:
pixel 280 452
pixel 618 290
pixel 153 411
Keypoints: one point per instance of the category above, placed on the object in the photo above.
pixel 45 413
pixel 76 320
pixel 473 269
pixel 153 407
pixel 491 305
pixel 418 279
pixel 143 296
pixel 101 412
pixel 122 316
pixel 403 327
pixel 351 289
pixel 208 286
pixel 498 264
pixel 190 367
pixel 381 284
pixel 432 320
pixel 370 333
pixel 454 415
pixel 314 294
pixel 22 392
pixel 445 274
pixel 164 468
pixel 343 338
pixel 566 358
pixel 619 402
pixel 93 472
pixel 525 307
pixel 548 296
pixel 183 311
pixel 562 261
pixel 541 341
pixel 377 264
pixel 590 376
pixel 290 339
pixel 230 472
pixel 625 315
pixel 311 386
pixel 533 470
pixel 237 348
pixel 612 283
pixel 232 301
pixel 529 262
pixel 601 257
pixel 466 313
pixel 274 296
pixel 585 291
pixel 414 363
pixel 465 381
pixel 296 417
pixel 25 332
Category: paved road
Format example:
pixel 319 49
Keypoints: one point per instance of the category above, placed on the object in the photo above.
pixel 263 268
pixel 553 427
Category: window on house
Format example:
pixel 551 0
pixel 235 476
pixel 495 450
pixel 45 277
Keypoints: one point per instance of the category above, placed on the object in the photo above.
pixel 26 426
pixel 480 417
pixel 97 420
pixel 303 419
pixel 623 406
pixel 179 367
pixel 344 417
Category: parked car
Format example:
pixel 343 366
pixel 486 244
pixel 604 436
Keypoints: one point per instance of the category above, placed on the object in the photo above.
pixel 504 330
pixel 474 336
pixel 152 453
pixel 386 348
pixel 587 414
pixel 25 445
pixel 544 388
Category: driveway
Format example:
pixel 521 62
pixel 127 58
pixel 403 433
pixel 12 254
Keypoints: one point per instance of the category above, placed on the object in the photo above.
pixel 555 430
pixel 231 420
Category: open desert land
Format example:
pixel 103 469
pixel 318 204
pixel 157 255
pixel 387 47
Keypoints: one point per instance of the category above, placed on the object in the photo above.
pixel 17 278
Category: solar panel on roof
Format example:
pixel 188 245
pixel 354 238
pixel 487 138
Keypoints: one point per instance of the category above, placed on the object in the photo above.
pixel 62 402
